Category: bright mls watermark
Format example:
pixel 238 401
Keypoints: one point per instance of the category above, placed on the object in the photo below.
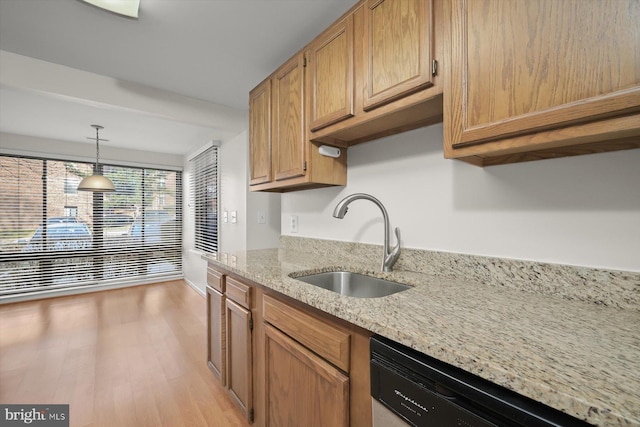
pixel 34 415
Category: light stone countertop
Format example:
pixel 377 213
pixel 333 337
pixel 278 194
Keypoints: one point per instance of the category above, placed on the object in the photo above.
pixel 575 356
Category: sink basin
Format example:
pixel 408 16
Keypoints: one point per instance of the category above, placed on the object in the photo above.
pixel 353 284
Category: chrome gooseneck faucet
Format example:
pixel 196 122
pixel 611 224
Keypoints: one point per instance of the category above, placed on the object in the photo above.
pixel 390 257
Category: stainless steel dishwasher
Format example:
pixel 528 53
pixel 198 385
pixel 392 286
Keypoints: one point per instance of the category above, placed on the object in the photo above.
pixel 410 388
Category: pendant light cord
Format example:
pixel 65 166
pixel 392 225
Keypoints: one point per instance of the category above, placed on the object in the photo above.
pixel 98 151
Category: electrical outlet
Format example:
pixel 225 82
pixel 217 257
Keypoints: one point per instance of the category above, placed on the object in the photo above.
pixel 293 223
pixel 262 217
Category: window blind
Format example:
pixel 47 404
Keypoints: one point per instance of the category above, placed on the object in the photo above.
pixel 53 236
pixel 203 196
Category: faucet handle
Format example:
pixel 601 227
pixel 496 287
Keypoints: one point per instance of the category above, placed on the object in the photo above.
pixel 397 238
pixel 395 253
pixel 392 257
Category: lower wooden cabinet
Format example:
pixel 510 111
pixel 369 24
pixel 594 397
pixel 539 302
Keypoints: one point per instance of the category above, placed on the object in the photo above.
pixel 316 367
pixel 229 336
pixel 216 336
pixel 283 362
pixel 301 388
pixel 239 357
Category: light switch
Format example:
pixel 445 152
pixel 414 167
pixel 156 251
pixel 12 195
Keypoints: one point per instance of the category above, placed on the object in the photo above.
pixel 234 217
pixel 225 216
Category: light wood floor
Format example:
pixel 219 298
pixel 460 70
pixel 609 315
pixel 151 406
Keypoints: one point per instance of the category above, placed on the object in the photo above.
pixel 127 357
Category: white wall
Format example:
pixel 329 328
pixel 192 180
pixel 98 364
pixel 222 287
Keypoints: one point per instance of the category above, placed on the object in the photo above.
pixel 233 195
pixel 582 210
pixel 266 235
pixel 193 267
pixel 247 233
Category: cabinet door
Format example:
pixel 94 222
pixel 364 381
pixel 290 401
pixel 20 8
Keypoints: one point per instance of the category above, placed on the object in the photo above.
pixel 239 360
pixel 289 132
pixel 330 66
pixel 520 67
pixel 301 388
pixel 260 133
pixel 216 339
pixel 398 49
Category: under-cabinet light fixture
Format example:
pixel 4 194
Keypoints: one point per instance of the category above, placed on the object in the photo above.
pixel 328 151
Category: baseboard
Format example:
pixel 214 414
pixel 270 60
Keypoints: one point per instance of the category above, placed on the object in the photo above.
pixel 194 287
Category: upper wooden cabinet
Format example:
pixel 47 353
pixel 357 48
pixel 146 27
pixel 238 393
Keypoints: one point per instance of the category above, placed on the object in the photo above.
pixel 397 48
pixel 282 156
pixel 396 84
pixel 289 132
pixel 260 133
pixel 331 84
pixel 371 74
pixel 537 79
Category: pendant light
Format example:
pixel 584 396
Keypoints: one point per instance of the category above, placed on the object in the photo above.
pixel 96 182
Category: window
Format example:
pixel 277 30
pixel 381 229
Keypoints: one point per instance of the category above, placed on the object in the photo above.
pixel 204 199
pixel 71 211
pixel 51 237
pixel 71 185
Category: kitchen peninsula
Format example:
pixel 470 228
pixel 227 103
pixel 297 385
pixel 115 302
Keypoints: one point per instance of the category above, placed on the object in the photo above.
pixel 517 329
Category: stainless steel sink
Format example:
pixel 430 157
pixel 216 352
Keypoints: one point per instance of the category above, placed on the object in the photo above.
pixel 354 284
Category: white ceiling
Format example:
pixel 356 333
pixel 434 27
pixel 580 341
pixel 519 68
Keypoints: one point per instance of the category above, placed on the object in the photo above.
pixel 212 50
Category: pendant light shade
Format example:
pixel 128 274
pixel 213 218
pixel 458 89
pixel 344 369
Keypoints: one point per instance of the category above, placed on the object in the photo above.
pixel 97 182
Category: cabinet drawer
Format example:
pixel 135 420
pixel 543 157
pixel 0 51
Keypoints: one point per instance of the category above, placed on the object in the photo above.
pixel 215 279
pixel 238 292
pixel 317 335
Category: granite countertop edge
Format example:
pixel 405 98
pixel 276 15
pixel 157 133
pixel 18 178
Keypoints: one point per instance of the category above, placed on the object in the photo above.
pixel 423 319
